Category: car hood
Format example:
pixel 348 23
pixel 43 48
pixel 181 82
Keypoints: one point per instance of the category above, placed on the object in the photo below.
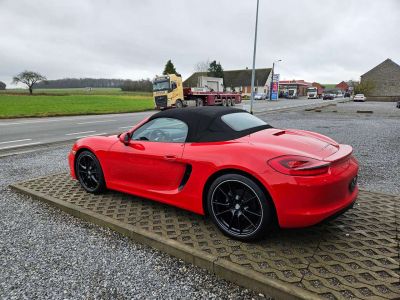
pixel 295 142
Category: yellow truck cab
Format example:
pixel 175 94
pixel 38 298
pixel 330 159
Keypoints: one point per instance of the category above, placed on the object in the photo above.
pixel 168 91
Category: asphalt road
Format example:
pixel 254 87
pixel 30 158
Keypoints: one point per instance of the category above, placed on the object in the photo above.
pixel 28 132
pixel 34 131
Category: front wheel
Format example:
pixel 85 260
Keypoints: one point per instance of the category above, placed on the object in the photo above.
pixel 239 207
pixel 89 172
pixel 178 104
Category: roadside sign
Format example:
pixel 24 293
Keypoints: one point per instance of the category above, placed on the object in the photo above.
pixel 275 87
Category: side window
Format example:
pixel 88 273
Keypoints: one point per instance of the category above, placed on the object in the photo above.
pixel 165 130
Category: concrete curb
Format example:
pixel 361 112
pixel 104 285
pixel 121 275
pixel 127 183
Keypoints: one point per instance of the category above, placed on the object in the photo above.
pixel 229 271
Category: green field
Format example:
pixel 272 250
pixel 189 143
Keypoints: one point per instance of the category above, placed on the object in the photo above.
pixel 67 102
pixel 77 91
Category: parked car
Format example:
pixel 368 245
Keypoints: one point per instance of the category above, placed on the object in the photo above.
pixel 328 96
pixel 347 95
pixel 339 95
pixel 261 96
pixel 225 163
pixel 398 104
pixel 359 98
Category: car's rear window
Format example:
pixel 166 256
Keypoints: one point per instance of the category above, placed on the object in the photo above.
pixel 242 121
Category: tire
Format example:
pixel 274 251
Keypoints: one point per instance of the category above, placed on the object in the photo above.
pixel 179 104
pixel 89 173
pixel 233 102
pixel 199 102
pixel 239 207
pixel 224 102
pixel 229 103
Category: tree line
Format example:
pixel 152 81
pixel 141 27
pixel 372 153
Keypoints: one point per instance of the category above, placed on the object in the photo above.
pixel 36 80
pixel 141 85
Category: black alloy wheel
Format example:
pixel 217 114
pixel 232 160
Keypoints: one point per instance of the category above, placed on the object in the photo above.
pixel 89 172
pixel 239 207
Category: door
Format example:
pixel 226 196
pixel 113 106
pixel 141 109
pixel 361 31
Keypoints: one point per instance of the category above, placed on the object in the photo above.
pixel 152 160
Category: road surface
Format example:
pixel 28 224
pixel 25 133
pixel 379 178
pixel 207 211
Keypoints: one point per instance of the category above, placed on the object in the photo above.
pixel 27 132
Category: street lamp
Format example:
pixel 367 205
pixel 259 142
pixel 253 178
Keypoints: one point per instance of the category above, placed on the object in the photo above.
pixel 272 78
pixel 254 63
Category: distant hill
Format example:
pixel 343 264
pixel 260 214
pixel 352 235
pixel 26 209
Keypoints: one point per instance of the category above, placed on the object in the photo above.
pixel 143 85
pixel 329 86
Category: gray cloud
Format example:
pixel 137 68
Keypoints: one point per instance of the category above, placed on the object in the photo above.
pixel 326 41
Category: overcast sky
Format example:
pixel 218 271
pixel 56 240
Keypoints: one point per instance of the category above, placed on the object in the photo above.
pixel 325 41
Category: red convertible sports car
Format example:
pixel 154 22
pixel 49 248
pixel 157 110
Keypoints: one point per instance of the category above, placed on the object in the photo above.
pixel 226 163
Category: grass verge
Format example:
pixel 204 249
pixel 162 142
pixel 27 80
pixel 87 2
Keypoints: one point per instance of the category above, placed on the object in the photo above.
pixel 18 106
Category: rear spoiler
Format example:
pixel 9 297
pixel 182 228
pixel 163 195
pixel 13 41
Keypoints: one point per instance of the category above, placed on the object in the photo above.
pixel 344 151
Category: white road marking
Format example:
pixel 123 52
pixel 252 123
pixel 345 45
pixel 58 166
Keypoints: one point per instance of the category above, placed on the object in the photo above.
pixel 124 127
pixel 16 141
pixel 16 146
pixel 82 136
pixel 82 132
pixel 92 122
pixel 66 119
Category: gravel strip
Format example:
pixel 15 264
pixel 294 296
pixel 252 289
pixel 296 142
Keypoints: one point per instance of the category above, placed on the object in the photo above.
pixel 375 140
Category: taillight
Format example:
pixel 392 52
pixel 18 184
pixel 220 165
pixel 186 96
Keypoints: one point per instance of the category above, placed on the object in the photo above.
pixel 299 165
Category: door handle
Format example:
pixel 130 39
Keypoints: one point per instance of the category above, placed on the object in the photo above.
pixel 170 157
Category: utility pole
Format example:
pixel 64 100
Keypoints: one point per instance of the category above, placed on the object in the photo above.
pixel 254 63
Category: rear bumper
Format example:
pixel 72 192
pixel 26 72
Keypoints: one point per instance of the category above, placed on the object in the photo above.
pixel 302 201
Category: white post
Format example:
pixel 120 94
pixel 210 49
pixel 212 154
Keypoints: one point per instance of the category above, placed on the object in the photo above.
pixel 254 63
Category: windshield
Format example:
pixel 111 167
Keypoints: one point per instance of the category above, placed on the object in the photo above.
pixel 242 121
pixel 312 89
pixel 161 85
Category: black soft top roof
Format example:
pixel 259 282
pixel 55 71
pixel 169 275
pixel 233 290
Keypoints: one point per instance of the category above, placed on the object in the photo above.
pixel 205 123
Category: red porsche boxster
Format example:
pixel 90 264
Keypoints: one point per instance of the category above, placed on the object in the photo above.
pixel 226 163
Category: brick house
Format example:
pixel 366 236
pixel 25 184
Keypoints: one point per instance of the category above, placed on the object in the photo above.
pixel 343 86
pixel 238 80
pixel 385 78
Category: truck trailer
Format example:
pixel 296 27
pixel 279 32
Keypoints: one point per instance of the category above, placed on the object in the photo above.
pixel 314 92
pixel 168 92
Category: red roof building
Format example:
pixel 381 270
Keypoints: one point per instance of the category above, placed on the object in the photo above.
pixel 300 86
pixel 343 86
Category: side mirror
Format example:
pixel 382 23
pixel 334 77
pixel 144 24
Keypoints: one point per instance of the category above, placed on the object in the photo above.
pixel 125 138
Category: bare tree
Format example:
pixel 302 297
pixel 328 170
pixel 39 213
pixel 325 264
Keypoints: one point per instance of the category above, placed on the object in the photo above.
pixel 29 78
pixel 202 66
